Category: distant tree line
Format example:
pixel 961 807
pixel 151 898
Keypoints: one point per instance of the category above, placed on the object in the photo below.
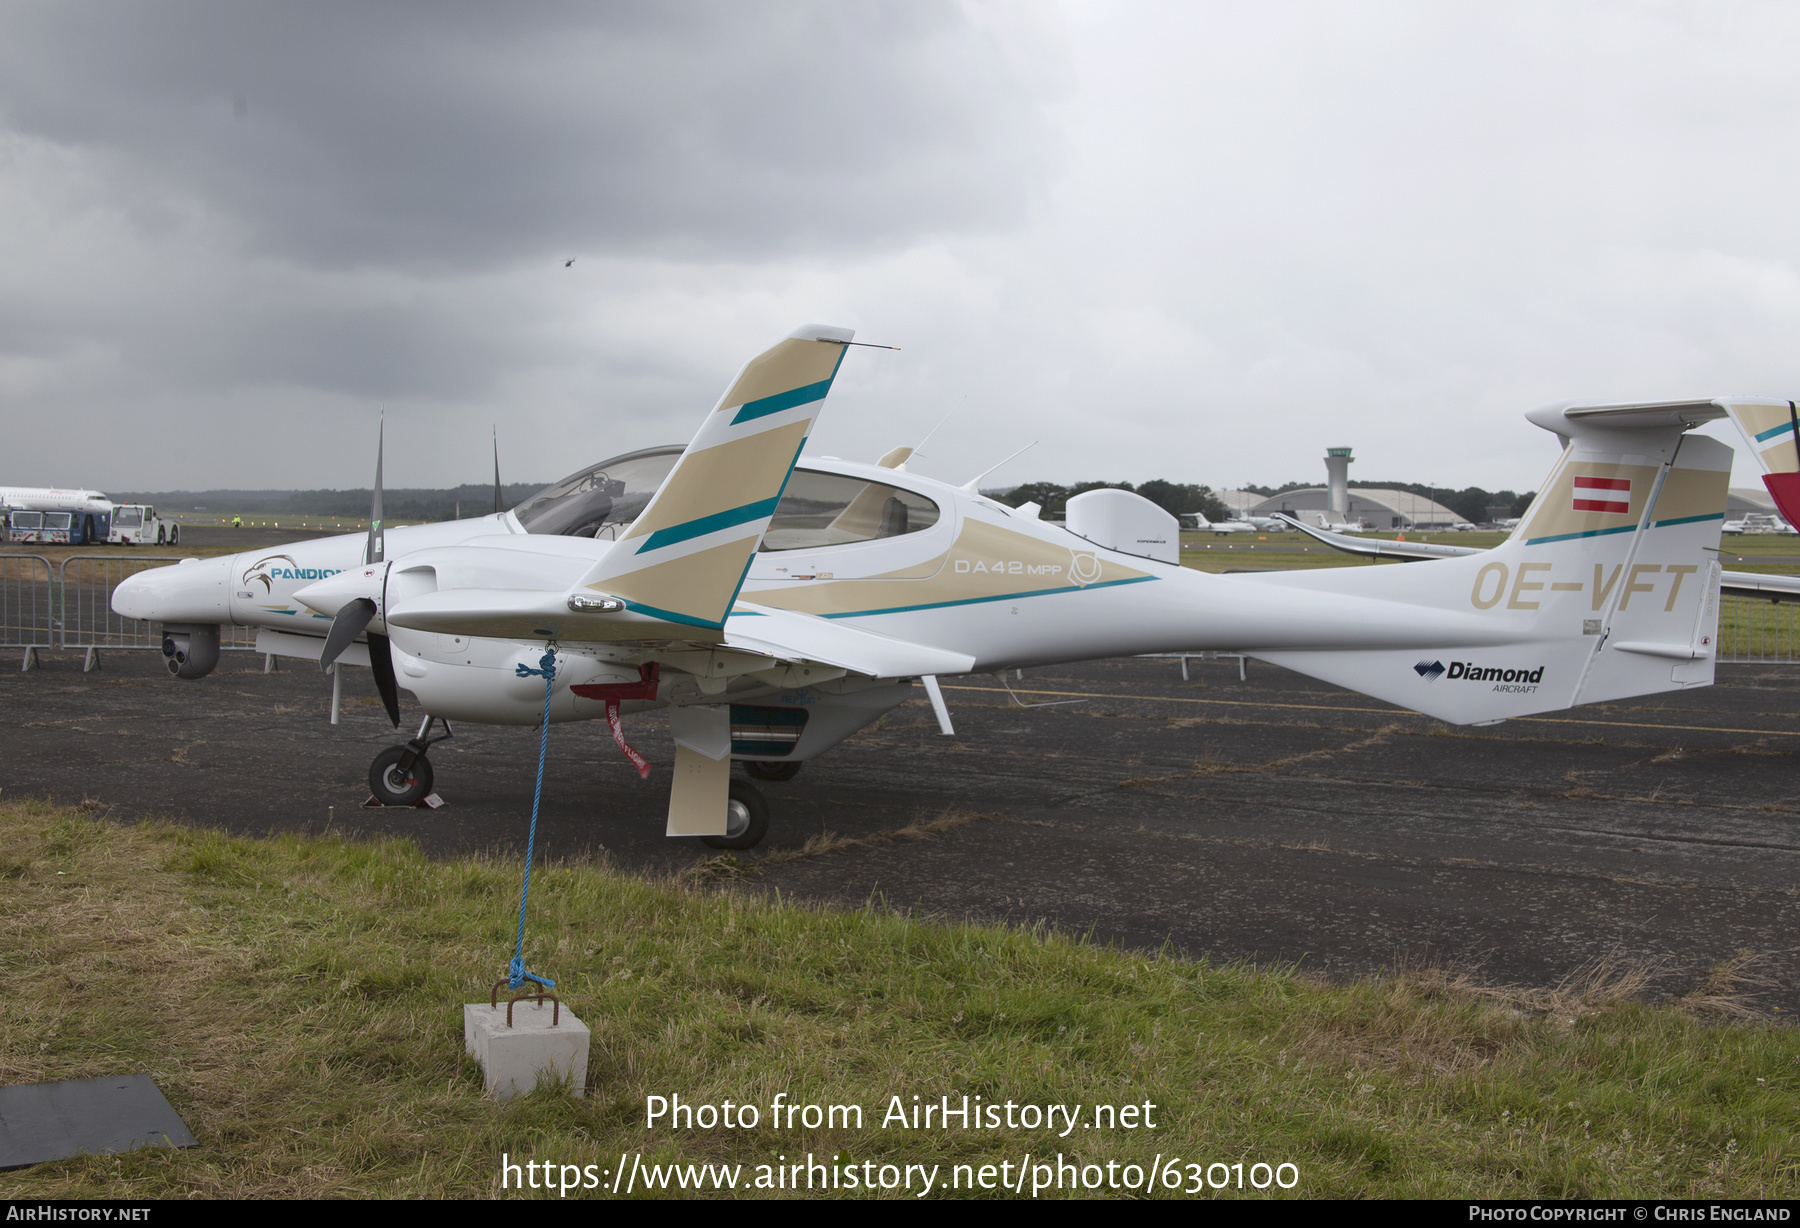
pixel 1176 498
pixel 396 503
pixel 1471 502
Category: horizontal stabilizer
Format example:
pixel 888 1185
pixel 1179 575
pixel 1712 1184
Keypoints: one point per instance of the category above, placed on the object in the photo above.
pixel 1585 418
pixel 802 637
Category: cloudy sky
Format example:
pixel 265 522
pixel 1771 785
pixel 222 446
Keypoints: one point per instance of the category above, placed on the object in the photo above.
pixel 1193 241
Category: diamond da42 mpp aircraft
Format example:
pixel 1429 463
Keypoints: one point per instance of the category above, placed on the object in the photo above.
pixel 775 605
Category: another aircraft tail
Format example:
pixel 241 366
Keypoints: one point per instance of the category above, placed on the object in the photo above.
pixel 1608 588
pixel 1770 427
pixel 686 555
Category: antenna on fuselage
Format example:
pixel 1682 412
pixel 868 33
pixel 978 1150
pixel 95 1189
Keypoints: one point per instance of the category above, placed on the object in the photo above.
pixel 972 485
pixel 377 548
pixel 496 470
pixel 918 449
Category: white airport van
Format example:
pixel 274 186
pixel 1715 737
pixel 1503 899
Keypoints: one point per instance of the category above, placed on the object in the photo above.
pixel 137 524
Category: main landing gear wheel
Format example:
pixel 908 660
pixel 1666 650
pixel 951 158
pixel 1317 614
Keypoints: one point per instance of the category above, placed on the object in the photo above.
pixel 759 769
pixel 394 785
pixel 746 819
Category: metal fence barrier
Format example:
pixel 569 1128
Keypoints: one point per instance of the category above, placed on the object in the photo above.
pixel 1758 632
pixel 27 605
pixel 1185 657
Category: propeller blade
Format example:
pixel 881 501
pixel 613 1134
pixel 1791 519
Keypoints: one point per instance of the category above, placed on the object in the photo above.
pixel 381 664
pixel 377 544
pixel 497 507
pixel 348 624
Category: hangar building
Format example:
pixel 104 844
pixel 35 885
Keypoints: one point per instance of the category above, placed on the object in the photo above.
pixel 1375 507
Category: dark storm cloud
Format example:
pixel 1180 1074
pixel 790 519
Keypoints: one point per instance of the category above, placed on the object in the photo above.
pixel 456 137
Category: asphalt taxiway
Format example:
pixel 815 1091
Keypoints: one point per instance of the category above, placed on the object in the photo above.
pixel 1276 819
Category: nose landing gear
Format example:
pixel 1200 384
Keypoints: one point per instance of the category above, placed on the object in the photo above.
pixel 401 775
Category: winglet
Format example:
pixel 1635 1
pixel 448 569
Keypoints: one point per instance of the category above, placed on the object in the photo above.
pixel 685 557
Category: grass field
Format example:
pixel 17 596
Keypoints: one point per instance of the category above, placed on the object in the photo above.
pixel 298 1000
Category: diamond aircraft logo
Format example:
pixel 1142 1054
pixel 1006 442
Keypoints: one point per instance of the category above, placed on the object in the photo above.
pixel 1468 671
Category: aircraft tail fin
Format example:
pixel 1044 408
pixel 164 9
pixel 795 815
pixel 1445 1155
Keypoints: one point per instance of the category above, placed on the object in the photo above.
pixel 685 557
pixel 1608 588
pixel 1770 428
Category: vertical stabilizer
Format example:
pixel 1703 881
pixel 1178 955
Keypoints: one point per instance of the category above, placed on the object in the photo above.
pixel 1608 588
pixel 1770 428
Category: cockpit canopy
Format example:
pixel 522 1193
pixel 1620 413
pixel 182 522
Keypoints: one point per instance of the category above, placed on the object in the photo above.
pixel 614 492
pixel 817 509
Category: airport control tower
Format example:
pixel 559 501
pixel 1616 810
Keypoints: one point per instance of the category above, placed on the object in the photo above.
pixel 1337 481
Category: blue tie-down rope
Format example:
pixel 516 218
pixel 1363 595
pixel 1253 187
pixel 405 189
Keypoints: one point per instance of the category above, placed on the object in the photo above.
pixel 517 975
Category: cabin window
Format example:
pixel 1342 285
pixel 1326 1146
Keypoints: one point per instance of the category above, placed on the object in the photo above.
pixel 824 509
pixel 128 517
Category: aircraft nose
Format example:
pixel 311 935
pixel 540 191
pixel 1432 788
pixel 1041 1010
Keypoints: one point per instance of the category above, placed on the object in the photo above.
pixel 131 598
pixel 192 591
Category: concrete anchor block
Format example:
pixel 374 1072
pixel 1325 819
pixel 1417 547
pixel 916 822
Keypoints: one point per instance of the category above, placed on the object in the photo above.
pixel 514 1059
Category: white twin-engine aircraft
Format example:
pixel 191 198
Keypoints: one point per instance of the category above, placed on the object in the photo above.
pixel 775 606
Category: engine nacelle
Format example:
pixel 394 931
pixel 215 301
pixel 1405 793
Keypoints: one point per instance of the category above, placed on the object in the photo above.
pixel 190 650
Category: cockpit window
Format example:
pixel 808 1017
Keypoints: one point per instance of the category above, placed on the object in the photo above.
pixel 824 509
pixel 586 504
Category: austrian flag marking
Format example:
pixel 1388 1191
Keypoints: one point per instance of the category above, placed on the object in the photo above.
pixel 1603 494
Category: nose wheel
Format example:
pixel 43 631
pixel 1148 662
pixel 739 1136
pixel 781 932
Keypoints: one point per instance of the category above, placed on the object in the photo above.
pixel 402 775
pixel 762 769
pixel 396 783
pixel 746 818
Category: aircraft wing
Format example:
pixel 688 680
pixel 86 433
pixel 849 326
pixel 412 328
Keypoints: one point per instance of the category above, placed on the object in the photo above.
pixel 1754 584
pixel 1731 583
pixel 792 636
pixel 1374 547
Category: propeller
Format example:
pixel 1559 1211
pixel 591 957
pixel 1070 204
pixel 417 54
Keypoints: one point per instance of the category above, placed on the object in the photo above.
pixel 497 508
pixel 381 664
pixel 354 616
pixel 351 618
